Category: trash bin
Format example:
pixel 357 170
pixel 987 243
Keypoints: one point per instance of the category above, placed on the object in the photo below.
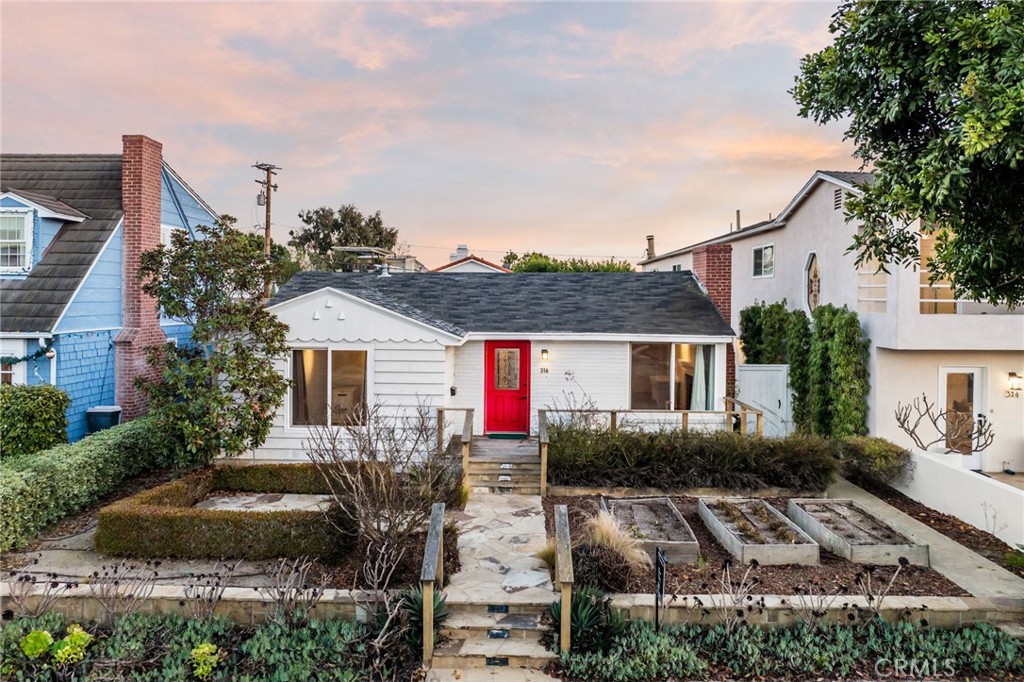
pixel 102 417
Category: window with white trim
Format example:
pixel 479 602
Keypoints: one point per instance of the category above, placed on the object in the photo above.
pixel 15 241
pixel 677 267
pixel 328 383
pixel 672 376
pixel 764 261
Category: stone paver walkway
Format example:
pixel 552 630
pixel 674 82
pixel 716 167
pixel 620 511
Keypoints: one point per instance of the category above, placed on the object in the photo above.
pixel 267 502
pixel 968 569
pixel 499 537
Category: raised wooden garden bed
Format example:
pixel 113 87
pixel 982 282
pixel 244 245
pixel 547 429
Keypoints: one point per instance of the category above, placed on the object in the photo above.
pixel 847 529
pixel 752 529
pixel 656 522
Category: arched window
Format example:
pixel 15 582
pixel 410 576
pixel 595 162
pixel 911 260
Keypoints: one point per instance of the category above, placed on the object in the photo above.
pixel 812 285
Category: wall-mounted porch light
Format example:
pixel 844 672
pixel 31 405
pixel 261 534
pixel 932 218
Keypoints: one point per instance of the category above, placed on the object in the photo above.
pixel 1016 382
pixel 544 354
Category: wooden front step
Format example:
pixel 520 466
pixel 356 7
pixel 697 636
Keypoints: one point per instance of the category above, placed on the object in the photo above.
pixel 500 466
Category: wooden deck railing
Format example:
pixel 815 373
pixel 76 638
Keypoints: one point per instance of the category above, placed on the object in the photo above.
pixel 738 409
pixel 432 577
pixel 564 576
pixel 467 435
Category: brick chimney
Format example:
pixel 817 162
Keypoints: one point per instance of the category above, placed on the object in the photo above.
pixel 141 167
pixel 713 266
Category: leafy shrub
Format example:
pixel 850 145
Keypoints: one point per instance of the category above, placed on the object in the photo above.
pixel 872 459
pixel 303 479
pixel 42 488
pixel 597 456
pixel 749 651
pixel 163 522
pixel 32 418
pixel 594 625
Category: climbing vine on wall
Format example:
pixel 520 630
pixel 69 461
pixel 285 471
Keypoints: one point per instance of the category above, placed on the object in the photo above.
pixel 827 358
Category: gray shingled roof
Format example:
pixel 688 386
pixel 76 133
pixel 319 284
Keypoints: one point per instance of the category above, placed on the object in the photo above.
pixel 851 177
pixel 573 303
pixel 90 184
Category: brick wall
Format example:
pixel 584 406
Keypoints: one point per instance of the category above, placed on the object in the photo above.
pixel 713 266
pixel 141 165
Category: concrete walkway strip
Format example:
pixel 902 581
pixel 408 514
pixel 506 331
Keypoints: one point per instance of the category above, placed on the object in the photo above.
pixel 968 569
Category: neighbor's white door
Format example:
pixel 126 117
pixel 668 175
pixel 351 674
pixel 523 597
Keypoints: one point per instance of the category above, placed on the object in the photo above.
pixel 962 397
pixel 766 387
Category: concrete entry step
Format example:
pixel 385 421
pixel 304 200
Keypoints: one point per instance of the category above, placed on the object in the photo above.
pixel 484 653
pixel 492 674
pixel 506 489
pixel 476 625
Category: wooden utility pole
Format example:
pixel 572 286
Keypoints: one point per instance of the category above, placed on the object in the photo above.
pixel 268 188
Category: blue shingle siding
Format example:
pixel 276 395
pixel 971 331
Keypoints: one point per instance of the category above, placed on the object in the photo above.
pixel 36 371
pixel 182 333
pixel 97 305
pixel 85 370
pixel 46 230
pixel 170 212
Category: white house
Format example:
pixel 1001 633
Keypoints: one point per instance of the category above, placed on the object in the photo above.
pixel 963 355
pixel 462 260
pixel 505 345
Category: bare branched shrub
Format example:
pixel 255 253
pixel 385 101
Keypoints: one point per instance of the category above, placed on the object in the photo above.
pixel 383 611
pixel 32 595
pixel 735 599
pixel 204 590
pixel 384 472
pixel 813 602
pixel 874 588
pixel 290 597
pixel 927 425
pixel 123 589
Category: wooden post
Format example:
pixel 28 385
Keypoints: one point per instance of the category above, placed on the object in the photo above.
pixel 728 420
pixel 615 420
pixel 543 469
pixel 428 624
pixel 440 430
pixel 743 420
pixel 440 559
pixel 465 464
pixel 565 636
pixel 760 423
pixel 686 420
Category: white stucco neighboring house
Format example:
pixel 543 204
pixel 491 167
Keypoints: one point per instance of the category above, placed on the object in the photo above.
pixel 961 354
pixel 504 345
pixel 472 263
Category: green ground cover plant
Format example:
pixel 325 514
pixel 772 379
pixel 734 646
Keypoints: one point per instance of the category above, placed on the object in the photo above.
pixel 41 488
pixel 170 647
pixel 583 455
pixel 640 653
pixel 32 418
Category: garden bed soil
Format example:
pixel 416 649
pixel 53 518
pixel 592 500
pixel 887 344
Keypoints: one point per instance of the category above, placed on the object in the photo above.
pixel 832 574
pixel 656 522
pixel 845 528
pixel 975 539
pixel 753 530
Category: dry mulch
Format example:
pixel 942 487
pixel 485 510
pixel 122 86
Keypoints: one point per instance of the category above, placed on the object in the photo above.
pixel 833 573
pixel 975 539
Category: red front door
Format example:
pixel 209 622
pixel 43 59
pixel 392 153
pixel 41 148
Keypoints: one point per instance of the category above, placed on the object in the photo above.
pixel 507 386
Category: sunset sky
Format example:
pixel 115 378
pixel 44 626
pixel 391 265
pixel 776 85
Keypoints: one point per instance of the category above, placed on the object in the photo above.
pixel 574 129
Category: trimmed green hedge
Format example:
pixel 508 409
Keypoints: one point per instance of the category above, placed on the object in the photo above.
pixel 163 521
pixel 41 488
pixel 674 459
pixel 32 418
pixel 872 459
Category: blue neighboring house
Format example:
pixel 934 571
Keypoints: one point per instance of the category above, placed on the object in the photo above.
pixel 71 229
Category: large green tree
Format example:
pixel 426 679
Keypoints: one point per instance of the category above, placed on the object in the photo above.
pixel 933 95
pixel 534 261
pixel 285 265
pixel 217 394
pixel 325 228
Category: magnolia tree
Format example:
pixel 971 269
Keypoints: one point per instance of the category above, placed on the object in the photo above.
pixel 217 394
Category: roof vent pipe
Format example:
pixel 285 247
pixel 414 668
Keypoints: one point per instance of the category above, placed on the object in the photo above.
pixel 650 246
pixel 384 271
pixel 737 220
